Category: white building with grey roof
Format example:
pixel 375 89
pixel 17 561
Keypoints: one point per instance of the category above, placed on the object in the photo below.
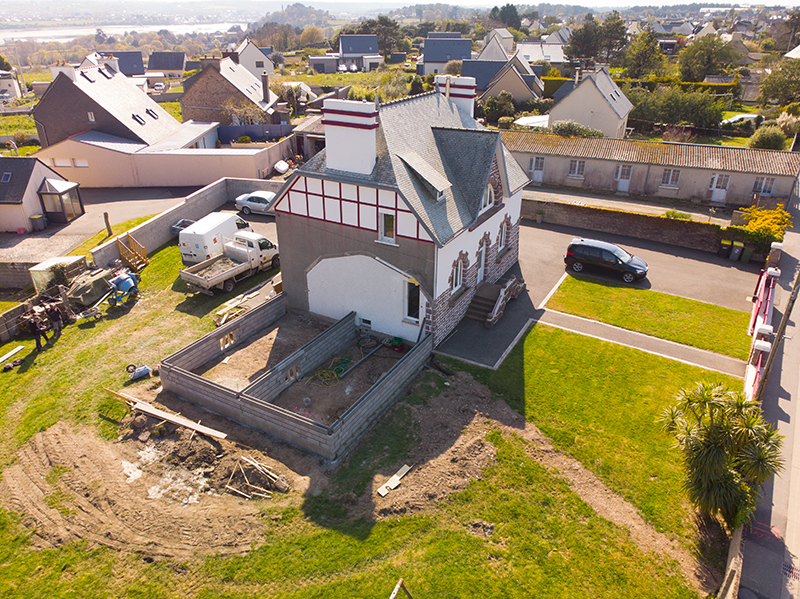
pixel 410 210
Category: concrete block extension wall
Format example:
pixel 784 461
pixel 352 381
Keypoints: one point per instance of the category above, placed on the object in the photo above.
pixel 157 231
pixel 252 406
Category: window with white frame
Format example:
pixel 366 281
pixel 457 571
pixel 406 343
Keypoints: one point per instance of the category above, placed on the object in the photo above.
pixel 5 178
pixel 537 165
pixel 501 243
pixel 62 162
pixel 458 273
pixel 488 197
pixel 90 115
pixel 80 163
pixel 577 168
pixel 763 185
pixel 386 227
pixel 412 300
pixel 670 177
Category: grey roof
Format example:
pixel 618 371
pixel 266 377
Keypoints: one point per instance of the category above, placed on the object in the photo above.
pixel 311 125
pixel 446 49
pixel 610 91
pixel 425 144
pixel 559 37
pixel 534 51
pixel 21 170
pixel 563 91
pixel 493 50
pixel 358 44
pixel 188 134
pixel 119 96
pixel 247 83
pixel 502 32
pixel 109 142
pixel 130 63
pixel 483 71
pixel 444 34
pixel 166 61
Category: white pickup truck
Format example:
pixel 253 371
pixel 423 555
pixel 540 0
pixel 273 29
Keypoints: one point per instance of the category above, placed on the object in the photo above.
pixel 247 254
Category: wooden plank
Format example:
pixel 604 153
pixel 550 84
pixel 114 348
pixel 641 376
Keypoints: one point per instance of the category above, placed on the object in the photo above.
pixel 394 481
pixel 151 410
pixel 12 352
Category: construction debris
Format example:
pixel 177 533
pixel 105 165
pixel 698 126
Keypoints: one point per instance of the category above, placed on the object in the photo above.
pixel 146 408
pixel 243 302
pixel 394 482
pixel 255 472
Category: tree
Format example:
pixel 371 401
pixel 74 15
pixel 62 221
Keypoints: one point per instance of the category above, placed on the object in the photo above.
pixel 509 16
pixel 276 58
pixel 782 84
pixel 585 42
pixel 4 64
pixel 769 137
pixel 729 451
pixel 387 30
pixel 707 56
pixel 644 55
pixel 613 36
pixel 311 36
pixel 453 67
pixel 417 87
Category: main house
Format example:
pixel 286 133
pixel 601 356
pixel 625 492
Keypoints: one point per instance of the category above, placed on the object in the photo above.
pixel 691 172
pixel 408 210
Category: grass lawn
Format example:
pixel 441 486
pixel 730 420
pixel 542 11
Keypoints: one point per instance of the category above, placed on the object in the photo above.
pixel 5 306
pixel 23 151
pixel 599 402
pixel 658 314
pixel 371 79
pixel 174 108
pixel 546 542
pixel 18 123
pixel 103 236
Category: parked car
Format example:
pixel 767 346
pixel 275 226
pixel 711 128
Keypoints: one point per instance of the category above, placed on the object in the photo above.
pixel 256 201
pixel 590 253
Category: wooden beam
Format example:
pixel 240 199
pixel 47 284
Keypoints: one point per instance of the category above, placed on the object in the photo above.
pixel 12 352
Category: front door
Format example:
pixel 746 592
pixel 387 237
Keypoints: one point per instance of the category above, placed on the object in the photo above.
pixel 537 170
pixel 719 187
pixel 623 177
pixel 481 263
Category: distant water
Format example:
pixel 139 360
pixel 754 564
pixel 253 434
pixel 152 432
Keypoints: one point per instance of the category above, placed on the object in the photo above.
pixel 65 34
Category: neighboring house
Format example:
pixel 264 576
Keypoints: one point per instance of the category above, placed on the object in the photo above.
pixel 356 53
pixel 536 51
pixel 633 29
pixel 793 53
pixel 445 34
pixel 494 76
pixel 411 207
pixel 211 94
pixel 559 37
pixel 690 172
pixel 99 98
pixel 493 49
pixel 596 102
pixel 707 29
pixel 437 52
pixel 130 63
pixel 310 136
pixel 28 187
pixel 172 64
pixel 503 36
pixel 9 84
pixel 251 57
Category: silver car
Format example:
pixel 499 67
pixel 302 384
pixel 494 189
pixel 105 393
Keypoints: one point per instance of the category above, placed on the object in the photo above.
pixel 257 201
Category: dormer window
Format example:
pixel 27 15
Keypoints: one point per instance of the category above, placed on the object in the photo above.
pixel 488 197
pixel 440 195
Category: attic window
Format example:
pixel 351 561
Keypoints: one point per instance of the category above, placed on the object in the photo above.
pixel 138 119
pixel 105 73
pixel 87 76
pixel 440 195
pixel 152 113
pixel 90 116
pixel 6 178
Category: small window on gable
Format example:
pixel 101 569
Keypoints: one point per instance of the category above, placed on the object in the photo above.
pixel 488 197
pixel 6 178
pixel 91 117
pixel 259 64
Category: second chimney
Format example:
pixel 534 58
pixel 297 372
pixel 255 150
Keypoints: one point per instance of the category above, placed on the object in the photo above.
pixel 265 85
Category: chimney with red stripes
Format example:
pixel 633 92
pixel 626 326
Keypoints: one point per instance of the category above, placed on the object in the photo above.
pixel 461 90
pixel 350 135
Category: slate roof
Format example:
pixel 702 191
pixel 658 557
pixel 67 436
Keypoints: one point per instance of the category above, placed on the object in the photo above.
pixel 109 142
pixel 425 143
pixel 559 37
pixel 358 44
pixel 166 61
pixel 563 91
pixel 20 169
pixel 533 51
pixel 136 111
pixel 446 49
pixel 502 32
pixel 493 50
pixel 130 63
pixel 676 155
pixel 247 83
pixel 444 34
pixel 483 71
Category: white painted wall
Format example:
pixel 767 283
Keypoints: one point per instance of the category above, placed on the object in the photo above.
pixel 250 55
pixel 12 217
pixel 350 149
pixel 469 241
pixel 376 292
pixel 586 105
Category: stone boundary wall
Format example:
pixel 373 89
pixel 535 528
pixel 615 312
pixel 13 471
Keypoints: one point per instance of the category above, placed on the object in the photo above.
pixel 733 568
pixel 368 409
pixel 15 275
pixel 157 231
pixel 689 234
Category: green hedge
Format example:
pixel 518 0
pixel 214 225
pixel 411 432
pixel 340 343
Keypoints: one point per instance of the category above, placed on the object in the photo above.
pixel 551 85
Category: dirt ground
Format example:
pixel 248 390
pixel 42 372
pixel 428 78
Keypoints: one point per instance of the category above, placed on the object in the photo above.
pixel 161 490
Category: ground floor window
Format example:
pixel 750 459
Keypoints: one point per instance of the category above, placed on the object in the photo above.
pixel 458 273
pixel 670 177
pixel 501 243
pixel 577 168
pixel 763 185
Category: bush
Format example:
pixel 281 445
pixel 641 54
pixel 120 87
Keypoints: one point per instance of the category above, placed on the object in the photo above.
pixel 244 139
pixel 505 122
pixel 570 128
pixel 678 134
pixel 59 272
pixel 789 124
pixel 674 214
pixel 769 137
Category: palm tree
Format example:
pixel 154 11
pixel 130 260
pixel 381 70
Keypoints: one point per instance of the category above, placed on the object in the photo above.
pixel 729 451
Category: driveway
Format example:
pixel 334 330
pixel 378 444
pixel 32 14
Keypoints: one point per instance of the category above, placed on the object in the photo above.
pixel 688 273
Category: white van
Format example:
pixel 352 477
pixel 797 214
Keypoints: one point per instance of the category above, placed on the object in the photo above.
pixel 205 238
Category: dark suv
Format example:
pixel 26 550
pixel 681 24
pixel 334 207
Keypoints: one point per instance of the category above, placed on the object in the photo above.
pixel 590 253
